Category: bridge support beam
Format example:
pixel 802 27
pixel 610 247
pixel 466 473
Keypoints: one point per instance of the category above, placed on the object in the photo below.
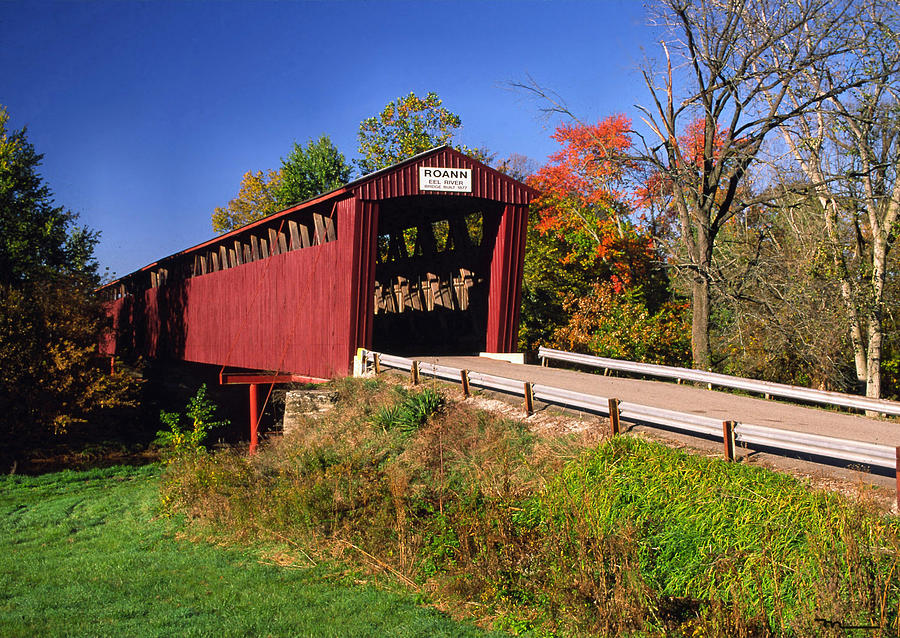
pixel 254 379
pixel 254 417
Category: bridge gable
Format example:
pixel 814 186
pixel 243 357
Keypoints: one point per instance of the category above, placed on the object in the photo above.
pixel 402 180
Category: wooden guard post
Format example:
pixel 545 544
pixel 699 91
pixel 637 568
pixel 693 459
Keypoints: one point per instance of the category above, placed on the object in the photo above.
pixel 464 379
pixel 414 372
pixel 614 417
pixel 376 360
pixel 728 438
pixel 529 399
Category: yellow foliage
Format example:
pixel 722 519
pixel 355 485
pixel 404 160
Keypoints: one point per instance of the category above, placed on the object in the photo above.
pixel 8 145
pixel 50 375
pixel 255 200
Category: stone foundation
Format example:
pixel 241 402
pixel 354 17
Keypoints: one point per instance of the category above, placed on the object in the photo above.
pixel 304 404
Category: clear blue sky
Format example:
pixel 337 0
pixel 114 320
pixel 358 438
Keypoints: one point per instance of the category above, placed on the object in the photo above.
pixel 148 113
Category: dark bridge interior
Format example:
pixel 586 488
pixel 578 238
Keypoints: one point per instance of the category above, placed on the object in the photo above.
pixel 432 272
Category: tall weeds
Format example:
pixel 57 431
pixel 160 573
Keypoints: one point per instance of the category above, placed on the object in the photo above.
pixel 624 538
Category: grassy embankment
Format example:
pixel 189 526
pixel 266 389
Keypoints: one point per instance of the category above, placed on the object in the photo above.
pixel 85 554
pixel 621 538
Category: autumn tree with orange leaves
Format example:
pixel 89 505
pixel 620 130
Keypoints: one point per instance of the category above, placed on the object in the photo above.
pixel 593 279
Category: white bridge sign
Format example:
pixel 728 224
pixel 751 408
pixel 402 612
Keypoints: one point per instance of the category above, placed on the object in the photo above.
pixel 454 180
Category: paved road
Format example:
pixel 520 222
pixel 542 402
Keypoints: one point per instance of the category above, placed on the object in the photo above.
pixel 685 398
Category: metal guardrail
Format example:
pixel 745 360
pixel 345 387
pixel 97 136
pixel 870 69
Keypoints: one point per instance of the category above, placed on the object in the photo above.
pixel 732 433
pixel 866 454
pixel 870 454
pixel 809 395
pixel 693 423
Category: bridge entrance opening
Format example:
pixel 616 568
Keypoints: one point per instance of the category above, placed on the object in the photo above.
pixel 432 269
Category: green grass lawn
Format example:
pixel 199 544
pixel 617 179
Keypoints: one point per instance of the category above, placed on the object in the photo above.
pixel 83 554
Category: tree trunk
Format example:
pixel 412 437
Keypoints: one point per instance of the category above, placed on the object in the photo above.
pixel 873 373
pixel 857 342
pixel 700 349
pixel 876 314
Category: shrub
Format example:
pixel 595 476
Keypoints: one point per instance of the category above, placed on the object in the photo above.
pixel 51 380
pixel 179 441
pixel 411 413
pixel 619 324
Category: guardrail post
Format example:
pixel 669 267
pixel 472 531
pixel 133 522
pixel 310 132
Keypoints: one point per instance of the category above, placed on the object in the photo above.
pixel 464 379
pixel 543 362
pixel 614 416
pixel 529 399
pixel 376 360
pixel 728 437
pixel 414 372
pixel 360 362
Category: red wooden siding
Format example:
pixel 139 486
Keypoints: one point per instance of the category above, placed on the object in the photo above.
pixel 505 295
pixel 404 180
pixel 360 221
pixel 287 312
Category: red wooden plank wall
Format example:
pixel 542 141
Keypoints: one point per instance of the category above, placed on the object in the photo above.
pixel 289 312
pixel 505 293
pixel 360 221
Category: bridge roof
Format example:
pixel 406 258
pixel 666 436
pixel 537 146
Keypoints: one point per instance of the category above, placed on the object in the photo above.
pixel 398 180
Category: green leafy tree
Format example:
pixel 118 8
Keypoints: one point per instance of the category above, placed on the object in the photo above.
pixel 50 320
pixel 308 171
pixel 408 126
pixel 36 235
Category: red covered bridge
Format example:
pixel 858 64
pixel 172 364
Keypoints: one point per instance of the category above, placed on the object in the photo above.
pixel 423 256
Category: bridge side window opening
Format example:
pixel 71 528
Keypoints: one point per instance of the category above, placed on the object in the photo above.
pixel 304 231
pixel 287 235
pixel 448 288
